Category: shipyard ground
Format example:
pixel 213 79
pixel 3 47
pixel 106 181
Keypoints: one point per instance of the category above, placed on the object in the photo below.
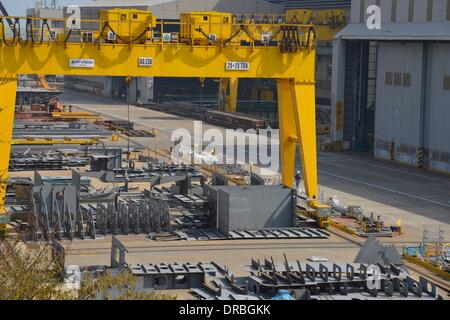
pixel 421 199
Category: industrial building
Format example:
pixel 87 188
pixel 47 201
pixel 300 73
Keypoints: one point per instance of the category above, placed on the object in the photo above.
pixel 390 88
pixel 361 94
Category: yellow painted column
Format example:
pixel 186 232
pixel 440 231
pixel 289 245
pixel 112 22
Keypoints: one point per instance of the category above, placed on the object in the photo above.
pixel 288 131
pixel 228 91
pixel 304 101
pixel 8 87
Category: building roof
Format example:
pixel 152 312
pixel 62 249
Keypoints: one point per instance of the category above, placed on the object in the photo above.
pixel 436 31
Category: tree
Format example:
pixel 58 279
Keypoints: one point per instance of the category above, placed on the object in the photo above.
pixel 28 273
pixel 32 273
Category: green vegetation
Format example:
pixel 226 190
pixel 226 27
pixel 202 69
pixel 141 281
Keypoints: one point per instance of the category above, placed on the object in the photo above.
pixel 32 273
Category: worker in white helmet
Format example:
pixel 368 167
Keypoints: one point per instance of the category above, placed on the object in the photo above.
pixel 298 179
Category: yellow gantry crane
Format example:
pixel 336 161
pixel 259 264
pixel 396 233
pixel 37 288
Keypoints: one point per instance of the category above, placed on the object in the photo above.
pixel 326 22
pixel 130 43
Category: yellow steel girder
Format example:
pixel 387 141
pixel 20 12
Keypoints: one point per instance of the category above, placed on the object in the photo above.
pixel 51 141
pixel 169 60
pixel 297 118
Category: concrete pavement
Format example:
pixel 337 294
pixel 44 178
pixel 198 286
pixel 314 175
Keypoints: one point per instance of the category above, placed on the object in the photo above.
pixel 421 199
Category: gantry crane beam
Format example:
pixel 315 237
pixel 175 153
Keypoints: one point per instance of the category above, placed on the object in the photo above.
pixel 293 70
pixel 168 60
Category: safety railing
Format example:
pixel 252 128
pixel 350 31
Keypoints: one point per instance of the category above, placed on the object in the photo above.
pixel 243 30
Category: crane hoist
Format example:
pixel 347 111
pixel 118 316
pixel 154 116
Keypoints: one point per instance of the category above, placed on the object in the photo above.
pixel 132 43
pixel 326 22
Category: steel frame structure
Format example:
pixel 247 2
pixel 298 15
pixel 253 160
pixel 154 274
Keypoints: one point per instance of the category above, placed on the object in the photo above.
pixel 294 72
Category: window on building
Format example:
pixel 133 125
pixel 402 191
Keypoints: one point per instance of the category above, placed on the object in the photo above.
pixel 407 79
pixel 397 79
pixel 446 82
pixel 388 78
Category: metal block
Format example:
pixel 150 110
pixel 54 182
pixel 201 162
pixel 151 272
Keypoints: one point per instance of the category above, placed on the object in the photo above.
pixel 323 272
pixel 388 288
pixel 428 287
pixel 113 218
pixel 118 251
pixel 102 218
pixel 343 288
pixel 350 271
pixel 55 211
pixel 123 217
pixel 337 272
pixel 363 272
pixel 90 223
pixel 310 272
pixel 414 286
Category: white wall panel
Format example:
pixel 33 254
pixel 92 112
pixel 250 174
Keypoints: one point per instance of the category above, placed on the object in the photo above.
pixel 439 10
pixel 420 10
pixel 397 115
pixel 438 126
pixel 386 10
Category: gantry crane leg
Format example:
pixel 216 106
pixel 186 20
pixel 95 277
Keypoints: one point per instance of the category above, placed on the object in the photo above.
pixel 8 87
pixel 228 91
pixel 288 131
pixel 296 107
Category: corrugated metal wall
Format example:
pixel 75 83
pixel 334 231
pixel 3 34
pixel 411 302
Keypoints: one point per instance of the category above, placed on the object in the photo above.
pixel 437 124
pixel 413 104
pixel 403 10
pixel 398 101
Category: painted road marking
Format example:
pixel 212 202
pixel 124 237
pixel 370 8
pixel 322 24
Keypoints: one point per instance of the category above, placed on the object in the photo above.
pixel 385 167
pixel 385 188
